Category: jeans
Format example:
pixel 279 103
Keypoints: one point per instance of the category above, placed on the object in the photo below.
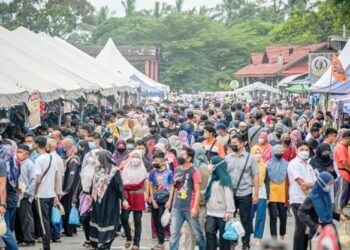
pixel 157 216
pixel 278 209
pixel 260 210
pixel 137 222
pixel 178 217
pixel 9 216
pixel 9 239
pixel 300 239
pixel 212 226
pixel 44 206
pixel 244 204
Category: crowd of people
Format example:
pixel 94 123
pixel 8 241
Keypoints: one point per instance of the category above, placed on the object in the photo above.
pixel 203 162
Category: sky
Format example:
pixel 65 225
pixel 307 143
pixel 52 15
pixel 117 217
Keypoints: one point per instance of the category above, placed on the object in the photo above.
pixel 149 4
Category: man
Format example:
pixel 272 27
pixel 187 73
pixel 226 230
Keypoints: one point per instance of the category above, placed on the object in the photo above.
pixel 24 219
pixel 152 139
pixel 170 127
pixel 275 138
pixel 256 130
pixel 97 141
pixel 29 141
pixel 211 145
pixel 342 160
pixel 330 137
pixel 186 208
pixel 223 135
pixel 244 172
pixel 45 189
pixel 83 132
pixel 57 136
pixel 301 178
pixel 160 181
pixel 51 144
pixel 8 237
pixel 313 144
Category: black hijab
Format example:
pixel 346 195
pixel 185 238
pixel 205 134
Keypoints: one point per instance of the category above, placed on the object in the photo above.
pixel 320 162
pixel 86 149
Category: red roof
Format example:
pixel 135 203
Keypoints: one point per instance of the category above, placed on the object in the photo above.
pixel 277 58
pixel 300 69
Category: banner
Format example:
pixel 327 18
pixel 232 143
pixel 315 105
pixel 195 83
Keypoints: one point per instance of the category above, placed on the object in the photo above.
pixel 318 64
pixel 34 119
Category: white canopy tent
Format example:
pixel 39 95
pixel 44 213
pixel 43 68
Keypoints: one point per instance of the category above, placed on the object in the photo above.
pixel 325 79
pixel 291 79
pixel 257 86
pixel 11 94
pixel 111 57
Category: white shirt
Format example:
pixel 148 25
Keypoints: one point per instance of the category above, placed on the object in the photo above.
pixel 47 185
pixel 298 168
pixel 58 161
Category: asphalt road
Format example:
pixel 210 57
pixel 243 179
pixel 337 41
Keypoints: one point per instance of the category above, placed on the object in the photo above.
pixel 147 242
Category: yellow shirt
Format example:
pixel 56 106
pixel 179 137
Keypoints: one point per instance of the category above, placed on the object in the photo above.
pixel 277 192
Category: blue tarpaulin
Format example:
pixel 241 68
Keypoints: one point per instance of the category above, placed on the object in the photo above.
pixel 147 90
pixel 335 88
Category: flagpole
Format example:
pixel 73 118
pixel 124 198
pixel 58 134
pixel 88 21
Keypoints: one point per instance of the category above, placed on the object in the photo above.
pixel 330 90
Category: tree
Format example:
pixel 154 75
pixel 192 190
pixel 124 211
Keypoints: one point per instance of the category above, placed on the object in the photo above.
pixel 178 5
pixel 129 7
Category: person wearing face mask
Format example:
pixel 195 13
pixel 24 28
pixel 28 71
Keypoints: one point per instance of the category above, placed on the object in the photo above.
pixel 170 127
pixel 277 195
pixel 272 124
pixel 187 198
pixel 260 208
pixel 152 139
pixel 120 153
pixel 110 145
pixel 134 176
pixel 220 204
pixel 264 146
pixel 316 212
pixel 322 160
pixel 29 141
pixel 301 179
pixel 223 135
pixel 211 144
pixel 244 172
pixel 289 150
pixel 313 144
pixel 275 137
pixel 160 181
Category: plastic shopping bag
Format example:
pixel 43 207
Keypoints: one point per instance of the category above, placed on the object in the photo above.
pixel 344 235
pixel 239 227
pixel 3 227
pixel 315 241
pixel 74 216
pixel 55 215
pixel 230 231
pixel 165 220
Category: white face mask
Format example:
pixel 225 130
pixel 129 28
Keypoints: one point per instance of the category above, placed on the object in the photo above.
pixel 110 140
pixel 30 146
pixel 304 155
pixel 260 140
pixel 135 161
pixel 328 188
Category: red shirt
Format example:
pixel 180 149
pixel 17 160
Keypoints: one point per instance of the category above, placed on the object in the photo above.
pixel 290 153
pixel 341 154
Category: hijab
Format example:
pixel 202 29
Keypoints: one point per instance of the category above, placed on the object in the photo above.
pixel 295 136
pixel 105 171
pixel 174 142
pixel 265 147
pixel 160 146
pixel 119 157
pixel 318 161
pixel 262 166
pixel 138 133
pixel 86 149
pixel 321 199
pixel 134 174
pixel 277 168
pixel 68 145
pixel 200 159
pixel 220 174
pixel 183 136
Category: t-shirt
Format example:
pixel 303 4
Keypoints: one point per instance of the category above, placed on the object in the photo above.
pixel 253 132
pixel 313 144
pixel 185 196
pixel 217 149
pixel 299 168
pixel 47 185
pixel 161 180
pixel 3 171
pixel 235 168
pixel 167 132
pixel 151 141
pixel 341 154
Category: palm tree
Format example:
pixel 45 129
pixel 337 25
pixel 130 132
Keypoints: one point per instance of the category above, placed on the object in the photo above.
pixel 129 6
pixel 179 5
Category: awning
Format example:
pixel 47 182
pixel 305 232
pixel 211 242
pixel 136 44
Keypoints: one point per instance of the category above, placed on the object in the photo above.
pixel 297 89
pixel 336 88
pixel 290 79
pixel 147 90
pixel 257 86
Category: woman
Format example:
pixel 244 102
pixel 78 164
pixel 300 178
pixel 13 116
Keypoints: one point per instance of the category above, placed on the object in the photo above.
pixel 183 136
pixel 316 212
pixel 277 173
pixel 220 204
pixel 109 139
pixel 134 177
pixel 174 142
pixel 295 136
pixel 322 160
pixel 264 146
pixel 260 208
pixel 107 192
pixel 120 153
pixel 138 133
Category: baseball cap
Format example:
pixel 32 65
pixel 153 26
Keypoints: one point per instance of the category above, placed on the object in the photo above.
pixel 221 126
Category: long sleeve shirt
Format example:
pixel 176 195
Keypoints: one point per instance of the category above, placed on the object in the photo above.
pixel 27 177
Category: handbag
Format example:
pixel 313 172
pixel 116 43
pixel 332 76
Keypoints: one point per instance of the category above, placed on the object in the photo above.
pixel 166 217
pixel 230 232
pixel 74 216
pixel 55 215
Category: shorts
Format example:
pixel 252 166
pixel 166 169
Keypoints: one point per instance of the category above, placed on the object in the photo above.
pixel 342 193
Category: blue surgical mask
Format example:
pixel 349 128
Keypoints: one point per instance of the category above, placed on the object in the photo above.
pixel 328 188
pixel 30 146
pixel 92 145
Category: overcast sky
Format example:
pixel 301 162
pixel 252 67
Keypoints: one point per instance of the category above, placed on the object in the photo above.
pixel 149 4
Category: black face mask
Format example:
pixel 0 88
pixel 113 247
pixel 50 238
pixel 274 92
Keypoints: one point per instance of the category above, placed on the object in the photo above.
pixel 181 160
pixel 325 157
pixel 278 156
pixel 234 148
pixel 287 142
pixel 273 113
pixel 156 165
pixel 278 136
pixel 121 150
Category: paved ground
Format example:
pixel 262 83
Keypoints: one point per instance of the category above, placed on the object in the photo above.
pixel 147 242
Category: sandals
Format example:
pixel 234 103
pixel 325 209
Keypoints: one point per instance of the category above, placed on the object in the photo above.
pixel 87 244
pixel 127 244
pixel 134 247
pixel 158 247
